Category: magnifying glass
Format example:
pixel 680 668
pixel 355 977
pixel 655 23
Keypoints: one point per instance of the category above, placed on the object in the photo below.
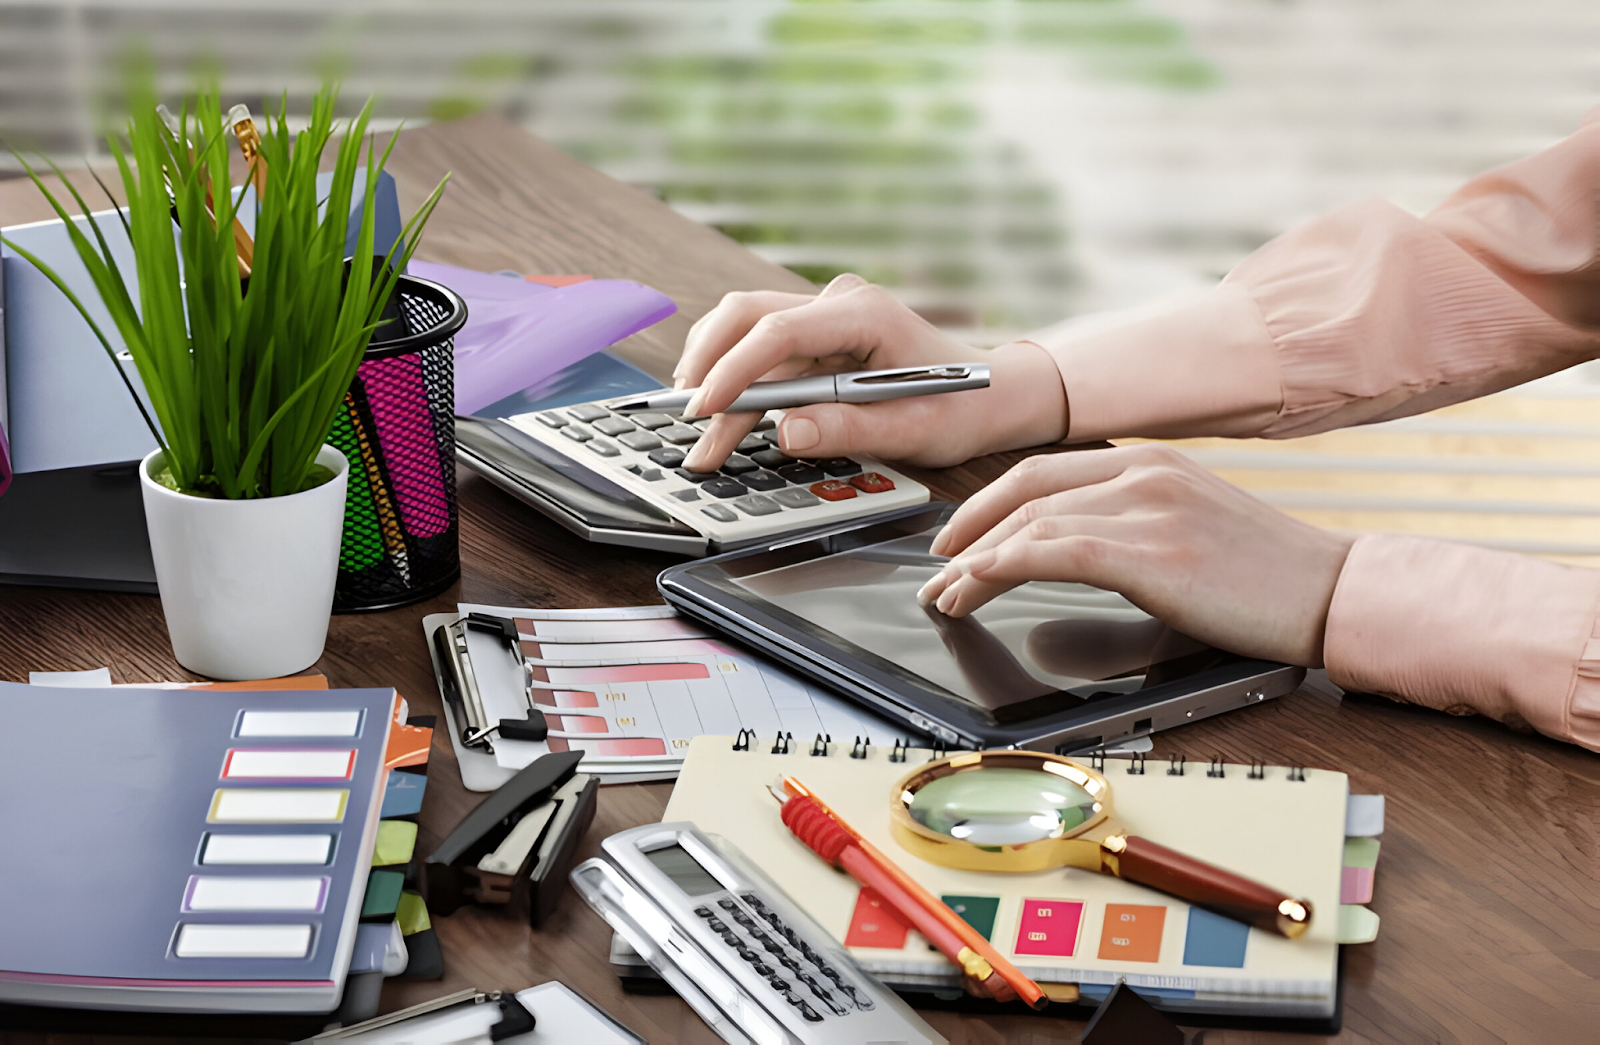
pixel 1030 811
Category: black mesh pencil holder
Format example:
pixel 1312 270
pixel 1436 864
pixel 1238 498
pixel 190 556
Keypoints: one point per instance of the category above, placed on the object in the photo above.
pixel 397 429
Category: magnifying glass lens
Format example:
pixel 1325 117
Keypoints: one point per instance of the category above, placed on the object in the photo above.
pixel 997 806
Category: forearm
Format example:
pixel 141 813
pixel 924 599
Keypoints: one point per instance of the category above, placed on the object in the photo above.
pixel 1469 630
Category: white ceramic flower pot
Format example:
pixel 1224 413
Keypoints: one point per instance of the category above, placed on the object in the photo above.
pixel 247 586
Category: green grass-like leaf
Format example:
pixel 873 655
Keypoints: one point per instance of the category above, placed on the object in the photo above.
pixel 245 377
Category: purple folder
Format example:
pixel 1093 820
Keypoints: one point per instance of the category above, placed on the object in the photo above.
pixel 519 333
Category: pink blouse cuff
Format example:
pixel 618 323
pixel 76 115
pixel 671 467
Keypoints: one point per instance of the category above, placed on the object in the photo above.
pixel 1202 367
pixel 1465 629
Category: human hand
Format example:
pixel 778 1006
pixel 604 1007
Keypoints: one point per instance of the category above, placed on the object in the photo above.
pixel 852 324
pixel 1147 522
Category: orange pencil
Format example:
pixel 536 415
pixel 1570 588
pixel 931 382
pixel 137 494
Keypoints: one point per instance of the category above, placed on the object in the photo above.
pixel 826 834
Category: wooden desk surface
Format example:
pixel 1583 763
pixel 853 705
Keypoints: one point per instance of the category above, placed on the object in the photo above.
pixel 1487 884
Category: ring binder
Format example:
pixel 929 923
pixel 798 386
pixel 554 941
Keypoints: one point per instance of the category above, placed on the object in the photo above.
pixel 860 748
pixel 1175 765
pixel 781 742
pixel 1297 773
pixel 1258 770
pixel 742 741
pixel 899 752
pixel 1097 760
pixel 1136 764
pixel 819 746
pixel 1215 770
pixel 936 750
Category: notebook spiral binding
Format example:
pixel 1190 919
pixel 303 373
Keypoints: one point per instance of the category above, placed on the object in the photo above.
pixel 861 748
pixel 742 741
pixel 1215 770
pixel 1136 764
pixel 1258 770
pixel 819 746
pixel 781 742
pixel 1175 765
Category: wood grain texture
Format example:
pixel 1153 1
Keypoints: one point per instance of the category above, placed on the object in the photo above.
pixel 1487 885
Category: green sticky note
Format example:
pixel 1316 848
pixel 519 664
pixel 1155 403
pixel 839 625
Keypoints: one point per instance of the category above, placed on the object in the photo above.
pixel 412 914
pixel 977 911
pixel 383 894
pixel 1361 852
pixel 396 840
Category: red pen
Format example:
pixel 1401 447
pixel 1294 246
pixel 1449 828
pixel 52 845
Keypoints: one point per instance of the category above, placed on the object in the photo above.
pixel 827 835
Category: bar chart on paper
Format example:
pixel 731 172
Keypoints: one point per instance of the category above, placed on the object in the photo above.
pixel 631 687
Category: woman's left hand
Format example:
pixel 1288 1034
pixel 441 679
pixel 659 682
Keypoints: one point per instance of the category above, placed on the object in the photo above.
pixel 1145 521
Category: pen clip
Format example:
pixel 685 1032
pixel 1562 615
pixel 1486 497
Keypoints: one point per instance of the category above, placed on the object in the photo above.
pixel 896 377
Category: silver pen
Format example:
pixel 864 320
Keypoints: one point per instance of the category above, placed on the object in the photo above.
pixel 861 386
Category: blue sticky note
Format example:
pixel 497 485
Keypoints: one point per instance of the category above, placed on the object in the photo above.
pixel 402 796
pixel 1214 940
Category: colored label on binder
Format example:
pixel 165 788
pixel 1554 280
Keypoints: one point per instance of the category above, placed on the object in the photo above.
pixel 1132 932
pixel 1049 927
pixel 875 924
pixel 977 911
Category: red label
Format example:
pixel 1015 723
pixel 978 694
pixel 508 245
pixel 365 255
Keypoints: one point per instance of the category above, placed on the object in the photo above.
pixel 875 924
pixel 1049 927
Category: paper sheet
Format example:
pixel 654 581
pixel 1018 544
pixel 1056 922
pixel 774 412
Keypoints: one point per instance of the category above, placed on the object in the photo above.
pixel 636 699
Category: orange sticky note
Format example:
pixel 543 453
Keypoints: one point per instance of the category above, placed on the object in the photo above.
pixel 558 281
pixel 408 746
pixel 290 682
pixel 1132 932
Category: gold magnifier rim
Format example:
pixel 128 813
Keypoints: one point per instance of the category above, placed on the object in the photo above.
pixel 1035 854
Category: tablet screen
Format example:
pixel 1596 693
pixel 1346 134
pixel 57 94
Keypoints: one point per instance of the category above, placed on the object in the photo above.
pixel 1041 640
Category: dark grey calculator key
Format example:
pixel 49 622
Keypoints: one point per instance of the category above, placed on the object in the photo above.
pixel 551 418
pixel 666 457
pixel 766 424
pixel 604 448
pixel 613 425
pixel 801 474
pixel 717 924
pixel 726 488
pixel 652 475
pixel 677 435
pixel 779 983
pixel 651 421
pixel 696 477
pixel 635 469
pixel 763 480
pixel 757 504
pixel 809 1013
pixel 691 494
pixel 772 458
pixel 738 464
pixel 749 444
pixel 793 999
pixel 835 466
pixel 637 440
pixel 703 911
pixel 588 412
pixel 762 969
pixel 577 433
pixel 722 513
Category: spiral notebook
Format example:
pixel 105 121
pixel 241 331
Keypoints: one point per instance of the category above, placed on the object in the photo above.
pixel 1281 825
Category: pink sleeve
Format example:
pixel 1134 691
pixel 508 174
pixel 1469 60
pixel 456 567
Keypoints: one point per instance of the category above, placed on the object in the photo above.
pixel 1464 630
pixel 1365 314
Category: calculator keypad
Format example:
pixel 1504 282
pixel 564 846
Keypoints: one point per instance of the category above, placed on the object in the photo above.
pixel 758 491
pixel 780 956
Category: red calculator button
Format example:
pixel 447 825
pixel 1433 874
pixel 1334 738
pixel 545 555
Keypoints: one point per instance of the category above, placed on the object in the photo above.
pixel 833 490
pixel 872 482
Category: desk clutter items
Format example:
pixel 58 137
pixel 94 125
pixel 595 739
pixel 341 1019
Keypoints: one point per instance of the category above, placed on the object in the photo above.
pixel 550 1014
pixel 1074 932
pixel 517 846
pixel 634 464
pixel 245 340
pixel 748 960
pixel 191 850
pixel 629 687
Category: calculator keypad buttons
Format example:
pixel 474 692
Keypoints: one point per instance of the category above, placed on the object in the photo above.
pixel 799 473
pixel 666 457
pixel 587 412
pixel 613 425
pixel 577 433
pixel 638 440
pixel 678 434
pixel 771 458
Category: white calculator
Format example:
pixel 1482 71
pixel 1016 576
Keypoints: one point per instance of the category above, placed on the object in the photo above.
pixel 619 479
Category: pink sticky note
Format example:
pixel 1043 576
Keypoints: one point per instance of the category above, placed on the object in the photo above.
pixel 1355 885
pixel 1049 927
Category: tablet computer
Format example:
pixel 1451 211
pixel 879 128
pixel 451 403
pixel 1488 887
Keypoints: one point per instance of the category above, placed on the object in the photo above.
pixel 1047 666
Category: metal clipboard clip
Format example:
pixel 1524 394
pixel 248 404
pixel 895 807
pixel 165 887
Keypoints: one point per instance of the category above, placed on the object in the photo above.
pixel 461 689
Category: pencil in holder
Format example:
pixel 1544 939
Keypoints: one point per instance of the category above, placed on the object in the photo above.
pixel 397 428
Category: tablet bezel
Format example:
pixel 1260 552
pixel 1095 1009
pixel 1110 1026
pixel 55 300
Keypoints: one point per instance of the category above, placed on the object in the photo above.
pixel 703 589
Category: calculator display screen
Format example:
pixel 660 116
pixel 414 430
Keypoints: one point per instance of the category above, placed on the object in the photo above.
pixel 684 871
pixel 1026 648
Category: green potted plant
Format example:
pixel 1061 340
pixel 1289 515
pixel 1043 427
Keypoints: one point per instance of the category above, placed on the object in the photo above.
pixel 245 346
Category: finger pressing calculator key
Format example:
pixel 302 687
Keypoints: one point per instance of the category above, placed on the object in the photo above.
pixel 758 492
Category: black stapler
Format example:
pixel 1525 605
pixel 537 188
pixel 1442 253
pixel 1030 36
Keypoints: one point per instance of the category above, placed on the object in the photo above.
pixel 516 847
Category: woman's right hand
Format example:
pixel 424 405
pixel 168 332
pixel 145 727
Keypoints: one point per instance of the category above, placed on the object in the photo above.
pixel 851 325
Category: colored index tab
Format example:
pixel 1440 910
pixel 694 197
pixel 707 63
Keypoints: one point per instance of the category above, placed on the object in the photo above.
pixel 396 840
pixel 299 723
pixel 977 911
pixel 243 941
pixel 408 746
pixel 402 796
pixel 279 805
pixel 279 764
pixel 383 895
pixel 1049 927
pixel 1132 932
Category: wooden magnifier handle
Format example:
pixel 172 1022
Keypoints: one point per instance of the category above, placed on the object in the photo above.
pixel 1205 885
